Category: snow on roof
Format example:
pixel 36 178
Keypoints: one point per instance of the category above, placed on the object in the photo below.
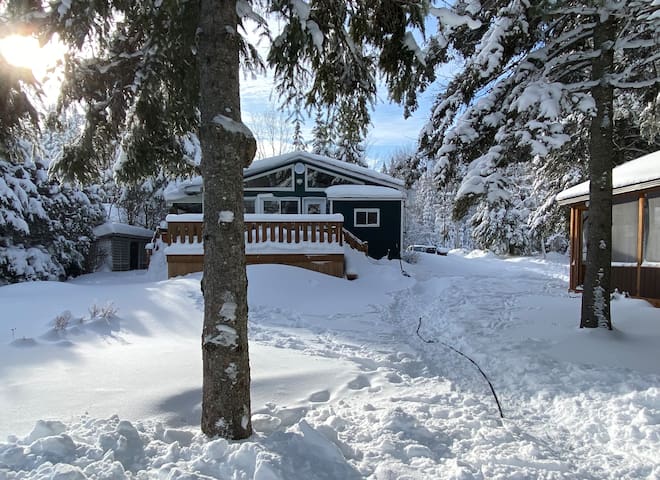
pixel 273 162
pixel 183 188
pixel 364 192
pixel 643 172
pixel 263 217
pixel 115 228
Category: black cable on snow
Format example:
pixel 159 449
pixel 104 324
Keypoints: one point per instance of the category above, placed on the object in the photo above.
pixel 492 389
pixel 403 272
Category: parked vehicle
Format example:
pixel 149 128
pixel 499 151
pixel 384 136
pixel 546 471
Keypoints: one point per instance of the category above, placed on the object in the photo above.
pixel 428 249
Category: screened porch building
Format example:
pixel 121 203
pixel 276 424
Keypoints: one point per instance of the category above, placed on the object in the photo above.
pixel 635 228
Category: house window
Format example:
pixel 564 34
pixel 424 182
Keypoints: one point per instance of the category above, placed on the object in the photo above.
pixel 624 232
pixel 281 179
pixel 249 205
pixel 652 231
pixel 313 205
pixel 279 205
pixel 320 180
pixel 366 217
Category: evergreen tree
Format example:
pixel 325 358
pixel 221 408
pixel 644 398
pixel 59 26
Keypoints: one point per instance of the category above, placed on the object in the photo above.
pixel 527 68
pixel 323 133
pixel 45 227
pixel 406 166
pixel 298 122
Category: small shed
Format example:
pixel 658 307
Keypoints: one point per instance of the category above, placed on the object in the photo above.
pixel 120 247
pixel 635 228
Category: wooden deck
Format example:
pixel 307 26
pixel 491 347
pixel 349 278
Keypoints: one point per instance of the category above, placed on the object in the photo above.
pixel 314 242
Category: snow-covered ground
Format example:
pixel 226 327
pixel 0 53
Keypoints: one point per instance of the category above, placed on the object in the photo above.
pixel 350 379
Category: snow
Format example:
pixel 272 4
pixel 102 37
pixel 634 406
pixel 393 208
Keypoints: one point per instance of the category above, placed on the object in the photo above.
pixel 110 228
pixel 627 177
pixel 226 216
pixel 232 126
pixel 263 217
pixel 452 20
pixel 350 379
pixel 363 192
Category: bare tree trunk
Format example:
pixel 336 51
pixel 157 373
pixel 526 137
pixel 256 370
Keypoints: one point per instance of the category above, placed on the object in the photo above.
pixel 227 146
pixel 596 296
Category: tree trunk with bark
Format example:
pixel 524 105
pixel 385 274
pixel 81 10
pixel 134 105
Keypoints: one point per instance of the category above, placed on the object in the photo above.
pixel 596 295
pixel 227 146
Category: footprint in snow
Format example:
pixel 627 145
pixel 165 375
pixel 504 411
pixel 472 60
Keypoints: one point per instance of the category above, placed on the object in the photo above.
pixel 320 396
pixel 359 382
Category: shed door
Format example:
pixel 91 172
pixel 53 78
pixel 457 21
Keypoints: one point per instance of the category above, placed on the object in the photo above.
pixel 134 256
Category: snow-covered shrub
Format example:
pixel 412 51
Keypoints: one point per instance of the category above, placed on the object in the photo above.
pixel 62 321
pixel 105 312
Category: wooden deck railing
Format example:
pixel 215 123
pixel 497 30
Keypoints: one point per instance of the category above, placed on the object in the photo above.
pixel 355 243
pixel 262 228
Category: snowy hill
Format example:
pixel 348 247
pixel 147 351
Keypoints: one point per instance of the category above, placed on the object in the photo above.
pixel 350 379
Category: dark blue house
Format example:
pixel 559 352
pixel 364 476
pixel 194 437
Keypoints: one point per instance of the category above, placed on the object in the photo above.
pixel 305 184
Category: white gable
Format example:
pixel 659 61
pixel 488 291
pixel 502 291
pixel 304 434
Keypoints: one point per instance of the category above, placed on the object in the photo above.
pixel 272 163
pixel 181 189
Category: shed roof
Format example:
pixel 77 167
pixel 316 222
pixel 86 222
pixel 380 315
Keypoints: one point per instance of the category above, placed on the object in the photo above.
pixel 115 228
pixel 632 176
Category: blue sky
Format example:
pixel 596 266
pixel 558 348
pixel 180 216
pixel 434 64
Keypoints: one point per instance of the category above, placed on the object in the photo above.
pixel 389 131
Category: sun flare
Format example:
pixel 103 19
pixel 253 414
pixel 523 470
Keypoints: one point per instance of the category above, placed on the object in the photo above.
pixel 26 52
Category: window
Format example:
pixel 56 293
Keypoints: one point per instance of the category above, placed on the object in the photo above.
pixel 366 217
pixel 277 205
pixel 313 205
pixel 320 180
pixel 249 205
pixel 624 232
pixel 652 231
pixel 281 179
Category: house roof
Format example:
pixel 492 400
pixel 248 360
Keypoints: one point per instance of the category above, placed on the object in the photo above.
pixel 180 189
pixel 638 174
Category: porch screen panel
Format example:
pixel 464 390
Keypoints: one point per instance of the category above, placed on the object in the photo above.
pixel 624 232
pixel 652 233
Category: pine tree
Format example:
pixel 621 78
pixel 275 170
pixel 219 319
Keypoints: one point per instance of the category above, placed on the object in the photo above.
pixel 323 133
pixel 406 166
pixel 299 143
pixel 527 68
